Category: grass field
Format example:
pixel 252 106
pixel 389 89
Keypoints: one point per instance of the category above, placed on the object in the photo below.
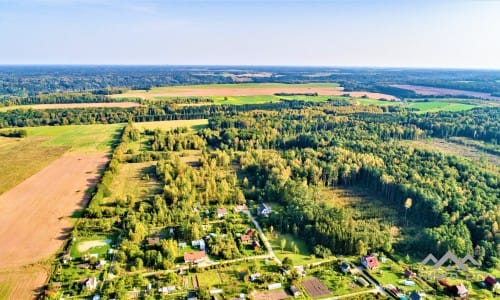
pixel 128 182
pixel 78 138
pixel 21 158
pixel 435 106
pixel 165 125
pixel 303 256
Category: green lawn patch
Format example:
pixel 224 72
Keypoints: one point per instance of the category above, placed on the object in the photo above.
pixel 302 257
pixel 79 138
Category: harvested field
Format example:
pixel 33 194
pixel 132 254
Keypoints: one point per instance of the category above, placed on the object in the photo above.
pixel 36 213
pixel 270 295
pixel 22 282
pixel 72 105
pixel 265 89
pixel 315 288
pixel 434 91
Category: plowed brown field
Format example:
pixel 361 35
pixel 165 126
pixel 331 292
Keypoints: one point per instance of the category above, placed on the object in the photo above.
pixel 36 215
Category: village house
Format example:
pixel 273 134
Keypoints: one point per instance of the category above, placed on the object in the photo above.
pixel 416 295
pixel 370 262
pixel 264 210
pixel 245 239
pixel 194 257
pixel 409 273
pixel 345 267
pixel 166 289
pixel 90 283
pixel 295 291
pixel 221 212
pixel 490 282
pixel 255 276
pixel 199 243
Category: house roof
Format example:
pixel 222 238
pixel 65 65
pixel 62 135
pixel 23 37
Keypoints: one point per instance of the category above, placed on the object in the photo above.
pixel 461 290
pixel 245 238
pixel 221 211
pixel 490 280
pixel 370 261
pixel 409 273
pixel 250 231
pixel 415 296
pixel 194 256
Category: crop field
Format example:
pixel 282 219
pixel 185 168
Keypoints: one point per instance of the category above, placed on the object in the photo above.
pixel 78 138
pixel 22 282
pixel 315 288
pixel 165 125
pixel 434 91
pixel 71 105
pixel 220 91
pixel 44 178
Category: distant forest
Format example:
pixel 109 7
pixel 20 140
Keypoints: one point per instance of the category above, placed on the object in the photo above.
pixel 16 81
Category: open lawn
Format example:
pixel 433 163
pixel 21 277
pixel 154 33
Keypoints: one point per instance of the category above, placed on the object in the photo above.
pixel 209 279
pixel 302 257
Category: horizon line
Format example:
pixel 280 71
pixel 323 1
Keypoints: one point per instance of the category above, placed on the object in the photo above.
pixel 249 66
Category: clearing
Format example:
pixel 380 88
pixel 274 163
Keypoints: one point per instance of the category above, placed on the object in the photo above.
pixel 448 147
pixel 245 89
pixel 72 105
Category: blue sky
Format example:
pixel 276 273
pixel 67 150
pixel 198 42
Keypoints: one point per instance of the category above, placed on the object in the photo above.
pixel 419 33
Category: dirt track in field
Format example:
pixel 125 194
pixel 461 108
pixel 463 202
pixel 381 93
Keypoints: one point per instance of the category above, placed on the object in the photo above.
pixel 36 219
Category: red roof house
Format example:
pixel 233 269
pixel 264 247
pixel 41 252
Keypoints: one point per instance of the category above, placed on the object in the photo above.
pixel 194 257
pixel 370 262
pixel 245 239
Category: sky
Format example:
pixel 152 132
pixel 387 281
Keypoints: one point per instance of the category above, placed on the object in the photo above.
pixel 388 33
